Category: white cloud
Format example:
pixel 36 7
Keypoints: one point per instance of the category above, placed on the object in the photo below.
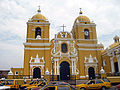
pixel 15 13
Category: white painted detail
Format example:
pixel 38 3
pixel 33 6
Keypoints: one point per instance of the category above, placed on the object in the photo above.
pixel 84 49
pixel 37 39
pixel 47 72
pixel 37 62
pixel 89 45
pixel 10 73
pixel 90 59
pixel 77 21
pixel 37 44
pixel 82 76
pixel 102 71
pixel 104 63
pixel 39 23
pixel 118 59
pixel 87 39
pixel 57 67
pixel 71 54
pixel 37 48
pixel 112 65
pixel 91 62
pixel 16 72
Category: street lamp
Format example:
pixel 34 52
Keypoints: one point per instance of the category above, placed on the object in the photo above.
pixel 52 69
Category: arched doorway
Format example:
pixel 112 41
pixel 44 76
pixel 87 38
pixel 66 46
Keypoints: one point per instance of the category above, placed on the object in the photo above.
pixel 91 73
pixel 116 67
pixel 36 73
pixel 64 71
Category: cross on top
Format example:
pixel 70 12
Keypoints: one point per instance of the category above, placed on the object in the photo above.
pixel 80 11
pixel 39 6
pixel 63 27
pixel 39 9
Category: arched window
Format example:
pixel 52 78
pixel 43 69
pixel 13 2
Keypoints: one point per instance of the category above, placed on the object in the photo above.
pixel 64 48
pixel 38 32
pixel 86 34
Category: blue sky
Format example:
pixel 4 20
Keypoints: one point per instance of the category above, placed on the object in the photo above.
pixel 15 13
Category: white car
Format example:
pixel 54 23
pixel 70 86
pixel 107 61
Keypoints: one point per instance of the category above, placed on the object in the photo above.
pixel 4 87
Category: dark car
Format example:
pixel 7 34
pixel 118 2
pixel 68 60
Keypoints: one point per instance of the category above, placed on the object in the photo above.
pixel 58 86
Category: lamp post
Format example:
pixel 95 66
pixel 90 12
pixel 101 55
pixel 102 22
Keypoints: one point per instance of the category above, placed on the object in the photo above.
pixel 52 69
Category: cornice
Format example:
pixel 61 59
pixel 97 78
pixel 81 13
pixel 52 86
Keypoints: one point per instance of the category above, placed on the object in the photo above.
pixel 37 48
pixel 89 45
pixel 67 39
pixel 84 49
pixel 37 39
pixel 86 25
pixel 38 23
pixel 87 39
pixel 37 44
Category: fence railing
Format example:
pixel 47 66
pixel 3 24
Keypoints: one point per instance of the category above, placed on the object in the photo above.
pixel 113 74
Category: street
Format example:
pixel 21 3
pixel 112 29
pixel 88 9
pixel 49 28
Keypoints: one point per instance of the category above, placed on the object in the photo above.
pixel 113 88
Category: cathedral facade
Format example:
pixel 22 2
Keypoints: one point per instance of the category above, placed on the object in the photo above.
pixel 75 53
pixel 67 54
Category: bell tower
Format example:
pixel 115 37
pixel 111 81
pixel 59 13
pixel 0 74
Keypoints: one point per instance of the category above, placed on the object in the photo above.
pixel 37 45
pixel 89 51
pixel 84 30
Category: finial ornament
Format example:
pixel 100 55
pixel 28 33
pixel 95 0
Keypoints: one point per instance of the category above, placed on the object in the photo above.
pixel 80 11
pixel 39 10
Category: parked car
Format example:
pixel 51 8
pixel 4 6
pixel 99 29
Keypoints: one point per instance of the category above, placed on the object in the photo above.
pixel 38 86
pixel 13 84
pixel 118 87
pixel 2 87
pixel 95 84
pixel 32 83
pixel 57 86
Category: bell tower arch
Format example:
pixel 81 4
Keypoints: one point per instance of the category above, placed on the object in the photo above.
pixel 37 43
pixel 84 32
pixel 84 29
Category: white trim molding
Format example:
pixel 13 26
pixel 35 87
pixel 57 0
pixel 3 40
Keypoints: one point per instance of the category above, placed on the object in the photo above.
pixel 64 39
pixel 82 76
pixel 37 39
pixel 37 48
pixel 37 44
pixel 87 39
pixel 39 23
pixel 89 45
pixel 84 49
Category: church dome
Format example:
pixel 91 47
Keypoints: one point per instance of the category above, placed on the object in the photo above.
pixel 39 16
pixel 82 19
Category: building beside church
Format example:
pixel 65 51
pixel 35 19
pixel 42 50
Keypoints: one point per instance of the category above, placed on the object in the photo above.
pixel 111 57
pixel 75 53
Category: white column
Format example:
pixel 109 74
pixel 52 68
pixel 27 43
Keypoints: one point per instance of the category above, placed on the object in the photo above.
pixel 72 67
pixel 75 67
pixel 57 68
pixel 112 65
pixel 42 70
pixel 118 59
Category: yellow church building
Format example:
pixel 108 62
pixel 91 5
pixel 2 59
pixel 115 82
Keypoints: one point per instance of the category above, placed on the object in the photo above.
pixel 68 54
